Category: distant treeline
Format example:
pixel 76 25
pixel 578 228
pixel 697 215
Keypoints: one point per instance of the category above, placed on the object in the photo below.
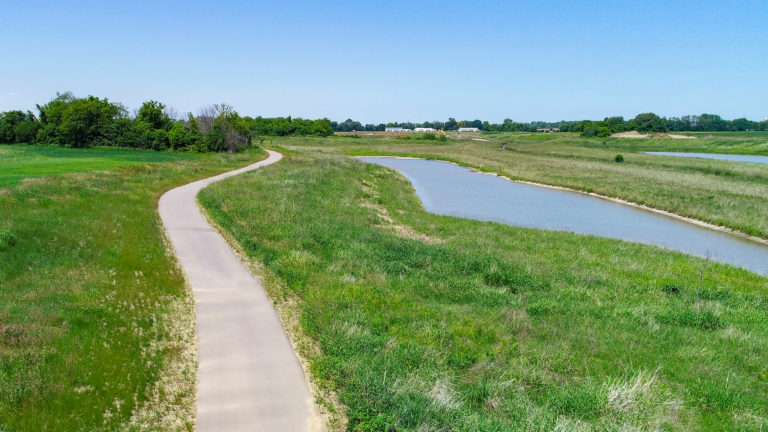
pixel 508 125
pixel 650 123
pixel 646 122
pixel 86 122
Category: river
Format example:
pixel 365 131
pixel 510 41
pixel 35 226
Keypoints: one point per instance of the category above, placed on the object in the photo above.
pixel 452 190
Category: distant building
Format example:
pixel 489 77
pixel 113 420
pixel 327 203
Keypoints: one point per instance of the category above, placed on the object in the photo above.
pixel 394 129
pixel 469 130
pixel 425 130
pixel 548 130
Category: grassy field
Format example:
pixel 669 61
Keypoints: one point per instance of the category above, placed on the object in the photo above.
pixel 24 162
pixel 743 134
pixel 730 194
pixel 430 323
pixel 96 324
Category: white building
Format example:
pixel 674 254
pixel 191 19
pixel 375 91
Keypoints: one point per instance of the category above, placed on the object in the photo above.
pixel 469 130
pixel 424 130
pixel 394 129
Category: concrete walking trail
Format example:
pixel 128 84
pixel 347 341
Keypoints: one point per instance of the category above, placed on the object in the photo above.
pixel 249 377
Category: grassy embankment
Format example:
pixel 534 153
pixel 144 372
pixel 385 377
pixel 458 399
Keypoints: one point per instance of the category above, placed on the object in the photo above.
pixel 436 323
pixel 730 194
pixel 96 324
pixel 738 135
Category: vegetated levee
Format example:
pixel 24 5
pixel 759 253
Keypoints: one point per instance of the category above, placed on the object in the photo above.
pixel 727 157
pixel 427 322
pixel 96 325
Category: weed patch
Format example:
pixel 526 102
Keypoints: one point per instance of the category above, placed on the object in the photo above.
pixel 701 319
pixel 7 239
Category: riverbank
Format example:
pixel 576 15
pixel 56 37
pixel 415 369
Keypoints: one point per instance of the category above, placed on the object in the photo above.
pixel 449 189
pixel 643 207
pixel 725 194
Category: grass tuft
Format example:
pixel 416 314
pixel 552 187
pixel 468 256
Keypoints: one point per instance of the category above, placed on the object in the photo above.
pixel 7 239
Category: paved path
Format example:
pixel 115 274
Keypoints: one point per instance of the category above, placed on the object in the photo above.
pixel 249 377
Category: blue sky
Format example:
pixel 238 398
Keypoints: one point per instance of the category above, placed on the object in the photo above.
pixel 386 61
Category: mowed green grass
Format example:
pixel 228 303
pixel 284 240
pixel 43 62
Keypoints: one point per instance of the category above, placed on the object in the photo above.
pixel 21 162
pixel 92 306
pixel 430 323
pixel 730 194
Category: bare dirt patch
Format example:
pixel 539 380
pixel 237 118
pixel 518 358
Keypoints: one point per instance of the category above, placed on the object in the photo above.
pixel 389 223
pixel 636 134
pixel 630 134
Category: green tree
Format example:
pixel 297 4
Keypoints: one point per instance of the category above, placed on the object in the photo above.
pixel 711 122
pixel 153 113
pixel 182 136
pixel 26 131
pixel 742 124
pixel 52 112
pixel 84 121
pixel 214 140
pixel 649 122
pixel 615 124
pixel 8 122
pixel 159 139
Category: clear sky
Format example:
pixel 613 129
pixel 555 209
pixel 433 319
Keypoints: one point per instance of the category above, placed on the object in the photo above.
pixel 378 61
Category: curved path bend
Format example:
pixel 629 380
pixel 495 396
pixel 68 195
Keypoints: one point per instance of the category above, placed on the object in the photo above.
pixel 249 377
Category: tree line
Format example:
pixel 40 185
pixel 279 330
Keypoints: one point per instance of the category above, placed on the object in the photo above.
pixel 451 124
pixel 644 123
pixel 652 123
pixel 71 121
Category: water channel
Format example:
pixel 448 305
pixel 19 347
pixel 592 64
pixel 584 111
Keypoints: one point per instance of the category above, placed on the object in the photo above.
pixel 452 190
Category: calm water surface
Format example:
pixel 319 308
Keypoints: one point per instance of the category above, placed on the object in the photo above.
pixel 728 157
pixel 451 190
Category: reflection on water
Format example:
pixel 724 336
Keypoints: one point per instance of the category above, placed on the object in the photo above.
pixel 451 190
pixel 728 157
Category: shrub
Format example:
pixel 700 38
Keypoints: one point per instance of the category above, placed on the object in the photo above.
pixel 603 132
pixel 619 158
pixel 428 136
pixel 461 359
pixel 159 139
pixel 214 140
pixel 7 239
pixel 539 308
pixel 670 289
